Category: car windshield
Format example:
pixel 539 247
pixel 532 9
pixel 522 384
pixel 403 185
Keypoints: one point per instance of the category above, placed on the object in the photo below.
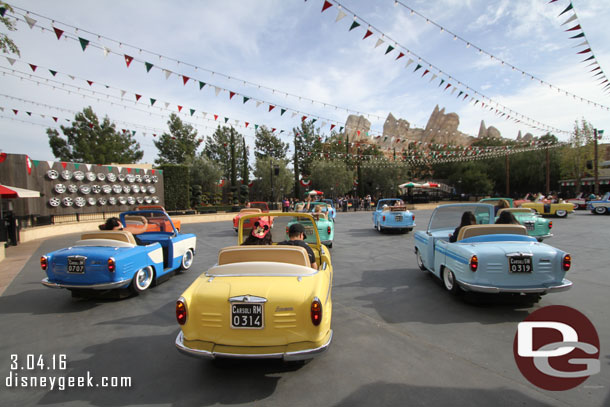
pixel 260 205
pixel 449 216
pixel 138 222
pixel 389 202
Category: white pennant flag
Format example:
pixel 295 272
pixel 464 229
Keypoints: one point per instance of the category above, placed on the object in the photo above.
pixel 167 73
pixel 50 164
pixel 88 166
pixel 120 169
pixel 236 122
pixel 340 15
pixel 123 93
pixel 570 19
pixel 10 60
pixel 294 114
pixel 258 103
pixel 379 42
pixel 409 62
pixel 217 90
pixel 106 51
pixel 585 42
pixel 31 22
pixel 453 90
pixel 433 78
pixel 166 105
pixel 203 114
pixel 71 77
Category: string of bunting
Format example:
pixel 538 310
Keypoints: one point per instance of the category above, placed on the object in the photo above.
pixel 503 62
pixel 464 91
pixel 578 33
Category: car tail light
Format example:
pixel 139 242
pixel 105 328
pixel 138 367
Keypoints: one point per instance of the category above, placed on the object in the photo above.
pixel 413 218
pixel 316 312
pixel 474 263
pixel 44 263
pixel 566 262
pixel 287 229
pixel 181 311
pixel 111 265
pixel 550 224
pixel 328 230
pixel 384 218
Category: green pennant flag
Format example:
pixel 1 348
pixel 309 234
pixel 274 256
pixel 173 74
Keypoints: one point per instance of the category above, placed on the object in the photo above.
pixel 83 42
pixel 201 85
pixel 36 162
pixel 390 48
pixel 460 94
pixel 53 72
pixel 152 101
pixel 160 172
pixel 192 111
pixel 313 121
pixel 246 99
pixel 566 10
pixel 417 67
pixel 137 170
pixel 76 165
pixel 256 127
pixel 340 129
pixel 282 112
pixel 133 132
pixel 2 11
pixel 109 169
pixel 226 119
pixel 148 66
pixel 354 25
pixel 442 81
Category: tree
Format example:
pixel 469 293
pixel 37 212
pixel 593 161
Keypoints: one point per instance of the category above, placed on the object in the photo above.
pixel 306 139
pixel 574 158
pixel 332 177
pixel 218 149
pixel 204 176
pixel 267 144
pixel 88 141
pixel 282 183
pixel 180 145
pixel 6 44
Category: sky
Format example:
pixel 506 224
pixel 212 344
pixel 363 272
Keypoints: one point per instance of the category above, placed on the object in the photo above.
pixel 291 55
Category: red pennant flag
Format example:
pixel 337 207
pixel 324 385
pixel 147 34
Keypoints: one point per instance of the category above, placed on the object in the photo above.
pixel 215 117
pixel 584 51
pixel 33 67
pixel 138 97
pixel 447 87
pixel 358 134
pixel 400 55
pixel 326 5
pixel 185 79
pixel 15 111
pixel 247 123
pixel 154 135
pixel 90 126
pixel 55 118
pixel 58 32
pixel 128 60
pixel 271 107
pixel 64 165
pixel 90 83
pixel 425 72
pixel 273 129
pixel 303 118
pixel 576 27
pixel 231 94
pixel 368 34
pixel 332 126
pixel 179 108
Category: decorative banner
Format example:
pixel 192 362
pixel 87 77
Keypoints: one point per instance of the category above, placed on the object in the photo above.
pixel 28 164
pixel 2 157
pixel 305 183
pixel 221 183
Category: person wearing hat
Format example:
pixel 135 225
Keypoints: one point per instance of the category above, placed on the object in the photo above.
pixel 296 237
pixel 260 234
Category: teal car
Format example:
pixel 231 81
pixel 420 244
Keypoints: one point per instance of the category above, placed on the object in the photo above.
pixel 325 226
pixel 536 225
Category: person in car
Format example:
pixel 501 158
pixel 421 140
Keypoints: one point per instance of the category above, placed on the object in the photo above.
pixel 260 234
pixel 468 218
pixel 296 237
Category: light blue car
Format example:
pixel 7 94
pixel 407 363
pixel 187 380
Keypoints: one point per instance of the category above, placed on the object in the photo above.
pixel 489 258
pixel 601 207
pixel 391 213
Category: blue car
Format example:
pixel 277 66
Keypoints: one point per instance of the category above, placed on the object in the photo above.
pixel 487 257
pixel 392 213
pixel 601 207
pixel 149 247
pixel 332 211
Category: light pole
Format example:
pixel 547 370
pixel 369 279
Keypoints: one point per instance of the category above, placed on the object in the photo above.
pixel 597 134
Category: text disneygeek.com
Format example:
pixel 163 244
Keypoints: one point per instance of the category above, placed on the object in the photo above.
pixel 22 368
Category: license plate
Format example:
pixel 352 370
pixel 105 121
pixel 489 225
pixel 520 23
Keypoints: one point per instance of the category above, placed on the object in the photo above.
pixel 399 218
pixel 76 266
pixel 247 316
pixel 309 231
pixel 529 226
pixel 520 264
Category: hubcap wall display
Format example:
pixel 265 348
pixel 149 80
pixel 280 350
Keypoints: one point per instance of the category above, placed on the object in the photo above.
pixel 85 189
pixel 60 188
pixel 72 188
pixel 79 175
pixel 67 175
pixel 90 176
pixel 52 174
pixel 111 177
pixel 101 176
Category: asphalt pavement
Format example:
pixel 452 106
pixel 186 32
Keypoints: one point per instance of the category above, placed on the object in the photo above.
pixel 399 338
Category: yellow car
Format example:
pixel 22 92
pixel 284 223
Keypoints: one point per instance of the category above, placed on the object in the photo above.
pixel 560 210
pixel 260 301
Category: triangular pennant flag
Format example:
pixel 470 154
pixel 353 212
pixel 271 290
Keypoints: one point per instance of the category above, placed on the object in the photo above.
pixel 58 32
pixel 217 90
pixel 379 42
pixel 50 164
pixel 433 77
pixel 72 77
pixel 226 119
pixel 201 85
pixel 152 101
pixel 215 117
pixel 567 9
pixel 128 60
pixel 31 22
pixel 185 79
pixel 179 108
pixel 231 94
pixel 55 118
pixel 442 81
pixel 53 72
pixel 368 34
pixel 33 67
pixel 256 127
pixel 271 107
pixel 576 27
pixel 584 51
pixel 167 73
pixel 247 123
pixel 340 15
pixel 577 36
pixel 138 97
pixel 123 93
pixel 83 42
pixel 148 66
pixel 341 129
pixel 2 11
pixel 574 17
pixel 192 111
pixel 282 112
pixel 106 51
pixel 36 162
pixel 90 83
pixel 354 25
pixel 11 60
pixel 400 56
pixel 28 113
pixel 417 67
pixel 246 99
pixel 273 130
pixel 258 103
pixel 585 42
pixel 425 72
pixel 326 5
pixel 390 48
pixel 588 59
pixel 294 114
pixel 303 118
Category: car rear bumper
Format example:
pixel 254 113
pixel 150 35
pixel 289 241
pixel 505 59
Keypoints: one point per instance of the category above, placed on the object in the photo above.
pixel 564 286
pixel 101 286
pixel 397 226
pixel 287 355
